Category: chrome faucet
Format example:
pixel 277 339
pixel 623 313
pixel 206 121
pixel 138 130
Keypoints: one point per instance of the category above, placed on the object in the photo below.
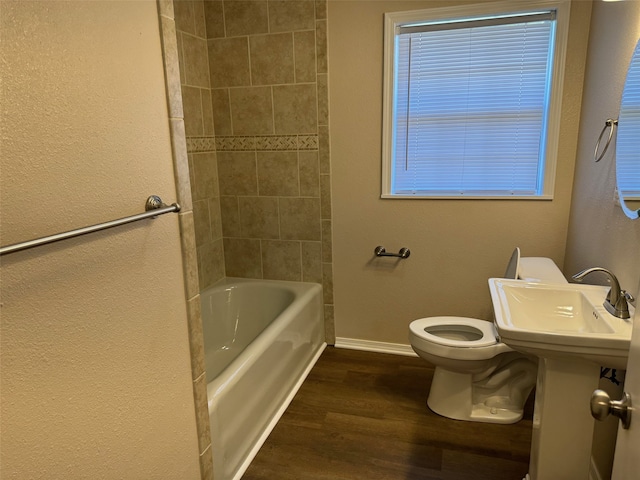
pixel 616 301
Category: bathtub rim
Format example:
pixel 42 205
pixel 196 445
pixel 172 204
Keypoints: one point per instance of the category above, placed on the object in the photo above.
pixel 301 290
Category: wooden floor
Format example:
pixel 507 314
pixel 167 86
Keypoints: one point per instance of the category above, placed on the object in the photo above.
pixel 362 415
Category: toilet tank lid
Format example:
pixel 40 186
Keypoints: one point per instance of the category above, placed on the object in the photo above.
pixel 540 269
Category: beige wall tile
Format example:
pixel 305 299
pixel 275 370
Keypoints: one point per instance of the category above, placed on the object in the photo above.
pixel 202 412
pixel 325 196
pixel 192 104
pixel 281 260
pixel 205 169
pixel 288 15
pixel 171 67
pixel 323 99
pixel 189 252
pixel 323 149
pixel 259 217
pixel 312 262
pixel 229 62
pixel 192 176
pixel 327 241
pixel 215 216
pixel 321 9
pixel 221 111
pixel 329 325
pixel 206 465
pixel 181 166
pixel 207 112
pixel 271 59
pixel 251 111
pixel 309 174
pixel 211 266
pixel 202 222
pixel 295 109
pixel 237 173
pixel 214 18
pixel 183 12
pixel 166 8
pixel 230 214
pixel 242 257
pixel 305 54
pixel 196 338
pixel 199 20
pixel 278 173
pixel 245 17
pixel 180 56
pixel 300 218
pixel 196 65
pixel 321 46
pixel 327 283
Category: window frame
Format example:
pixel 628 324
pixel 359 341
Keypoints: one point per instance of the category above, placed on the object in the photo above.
pixel 395 19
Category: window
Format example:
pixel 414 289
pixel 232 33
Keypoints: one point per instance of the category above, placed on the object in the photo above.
pixel 472 101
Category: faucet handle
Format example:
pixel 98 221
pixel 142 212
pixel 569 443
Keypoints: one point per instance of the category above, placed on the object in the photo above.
pixel 630 298
pixel 621 307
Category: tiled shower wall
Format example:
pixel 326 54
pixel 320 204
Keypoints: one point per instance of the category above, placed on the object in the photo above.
pixel 191 32
pixel 255 94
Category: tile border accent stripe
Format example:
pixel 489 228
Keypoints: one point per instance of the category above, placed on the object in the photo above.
pixel 253 143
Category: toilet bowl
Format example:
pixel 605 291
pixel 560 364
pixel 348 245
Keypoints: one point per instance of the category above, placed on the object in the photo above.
pixel 477 377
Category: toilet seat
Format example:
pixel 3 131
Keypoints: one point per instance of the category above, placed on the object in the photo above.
pixel 484 347
pixel 486 331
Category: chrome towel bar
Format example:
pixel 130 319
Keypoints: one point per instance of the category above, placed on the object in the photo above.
pixel 153 208
pixel 381 252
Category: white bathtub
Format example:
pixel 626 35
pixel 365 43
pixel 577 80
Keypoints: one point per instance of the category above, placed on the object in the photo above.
pixel 261 339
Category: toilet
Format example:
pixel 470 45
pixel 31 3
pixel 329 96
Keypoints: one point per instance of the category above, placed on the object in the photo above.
pixel 478 378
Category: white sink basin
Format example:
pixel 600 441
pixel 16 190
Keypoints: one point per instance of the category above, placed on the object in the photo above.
pixel 560 321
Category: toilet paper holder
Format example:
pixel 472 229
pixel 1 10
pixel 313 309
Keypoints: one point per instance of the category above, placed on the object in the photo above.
pixel 380 251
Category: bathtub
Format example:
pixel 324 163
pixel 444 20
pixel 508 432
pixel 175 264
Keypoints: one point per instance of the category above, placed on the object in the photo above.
pixel 261 339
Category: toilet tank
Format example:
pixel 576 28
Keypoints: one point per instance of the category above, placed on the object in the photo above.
pixel 539 269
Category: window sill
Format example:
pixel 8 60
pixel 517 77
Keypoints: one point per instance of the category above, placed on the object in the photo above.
pixel 466 197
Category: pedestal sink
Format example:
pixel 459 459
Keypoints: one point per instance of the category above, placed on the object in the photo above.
pixel 569 330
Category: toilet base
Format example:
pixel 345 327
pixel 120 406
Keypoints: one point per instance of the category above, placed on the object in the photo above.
pixel 451 395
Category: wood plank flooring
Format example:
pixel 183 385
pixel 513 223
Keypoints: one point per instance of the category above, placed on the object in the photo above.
pixel 362 415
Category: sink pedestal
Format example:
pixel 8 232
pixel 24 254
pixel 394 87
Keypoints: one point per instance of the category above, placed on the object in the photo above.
pixel 562 421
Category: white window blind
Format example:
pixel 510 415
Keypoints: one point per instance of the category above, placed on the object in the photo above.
pixel 471 102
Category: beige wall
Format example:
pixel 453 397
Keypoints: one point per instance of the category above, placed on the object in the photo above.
pixel 455 244
pixel 599 233
pixel 96 377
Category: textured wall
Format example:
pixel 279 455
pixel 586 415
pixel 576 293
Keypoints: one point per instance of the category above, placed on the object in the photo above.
pixel 599 232
pixel 96 378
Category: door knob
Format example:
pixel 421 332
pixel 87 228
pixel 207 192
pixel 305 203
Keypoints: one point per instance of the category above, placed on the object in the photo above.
pixel 602 406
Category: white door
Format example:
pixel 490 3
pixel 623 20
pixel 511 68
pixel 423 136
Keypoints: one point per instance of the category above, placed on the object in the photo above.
pixel 626 465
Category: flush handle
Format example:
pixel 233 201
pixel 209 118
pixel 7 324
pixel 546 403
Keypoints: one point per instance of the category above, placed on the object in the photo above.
pixel 602 406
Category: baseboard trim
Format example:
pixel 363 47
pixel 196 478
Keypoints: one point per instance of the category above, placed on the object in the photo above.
pixel 372 346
